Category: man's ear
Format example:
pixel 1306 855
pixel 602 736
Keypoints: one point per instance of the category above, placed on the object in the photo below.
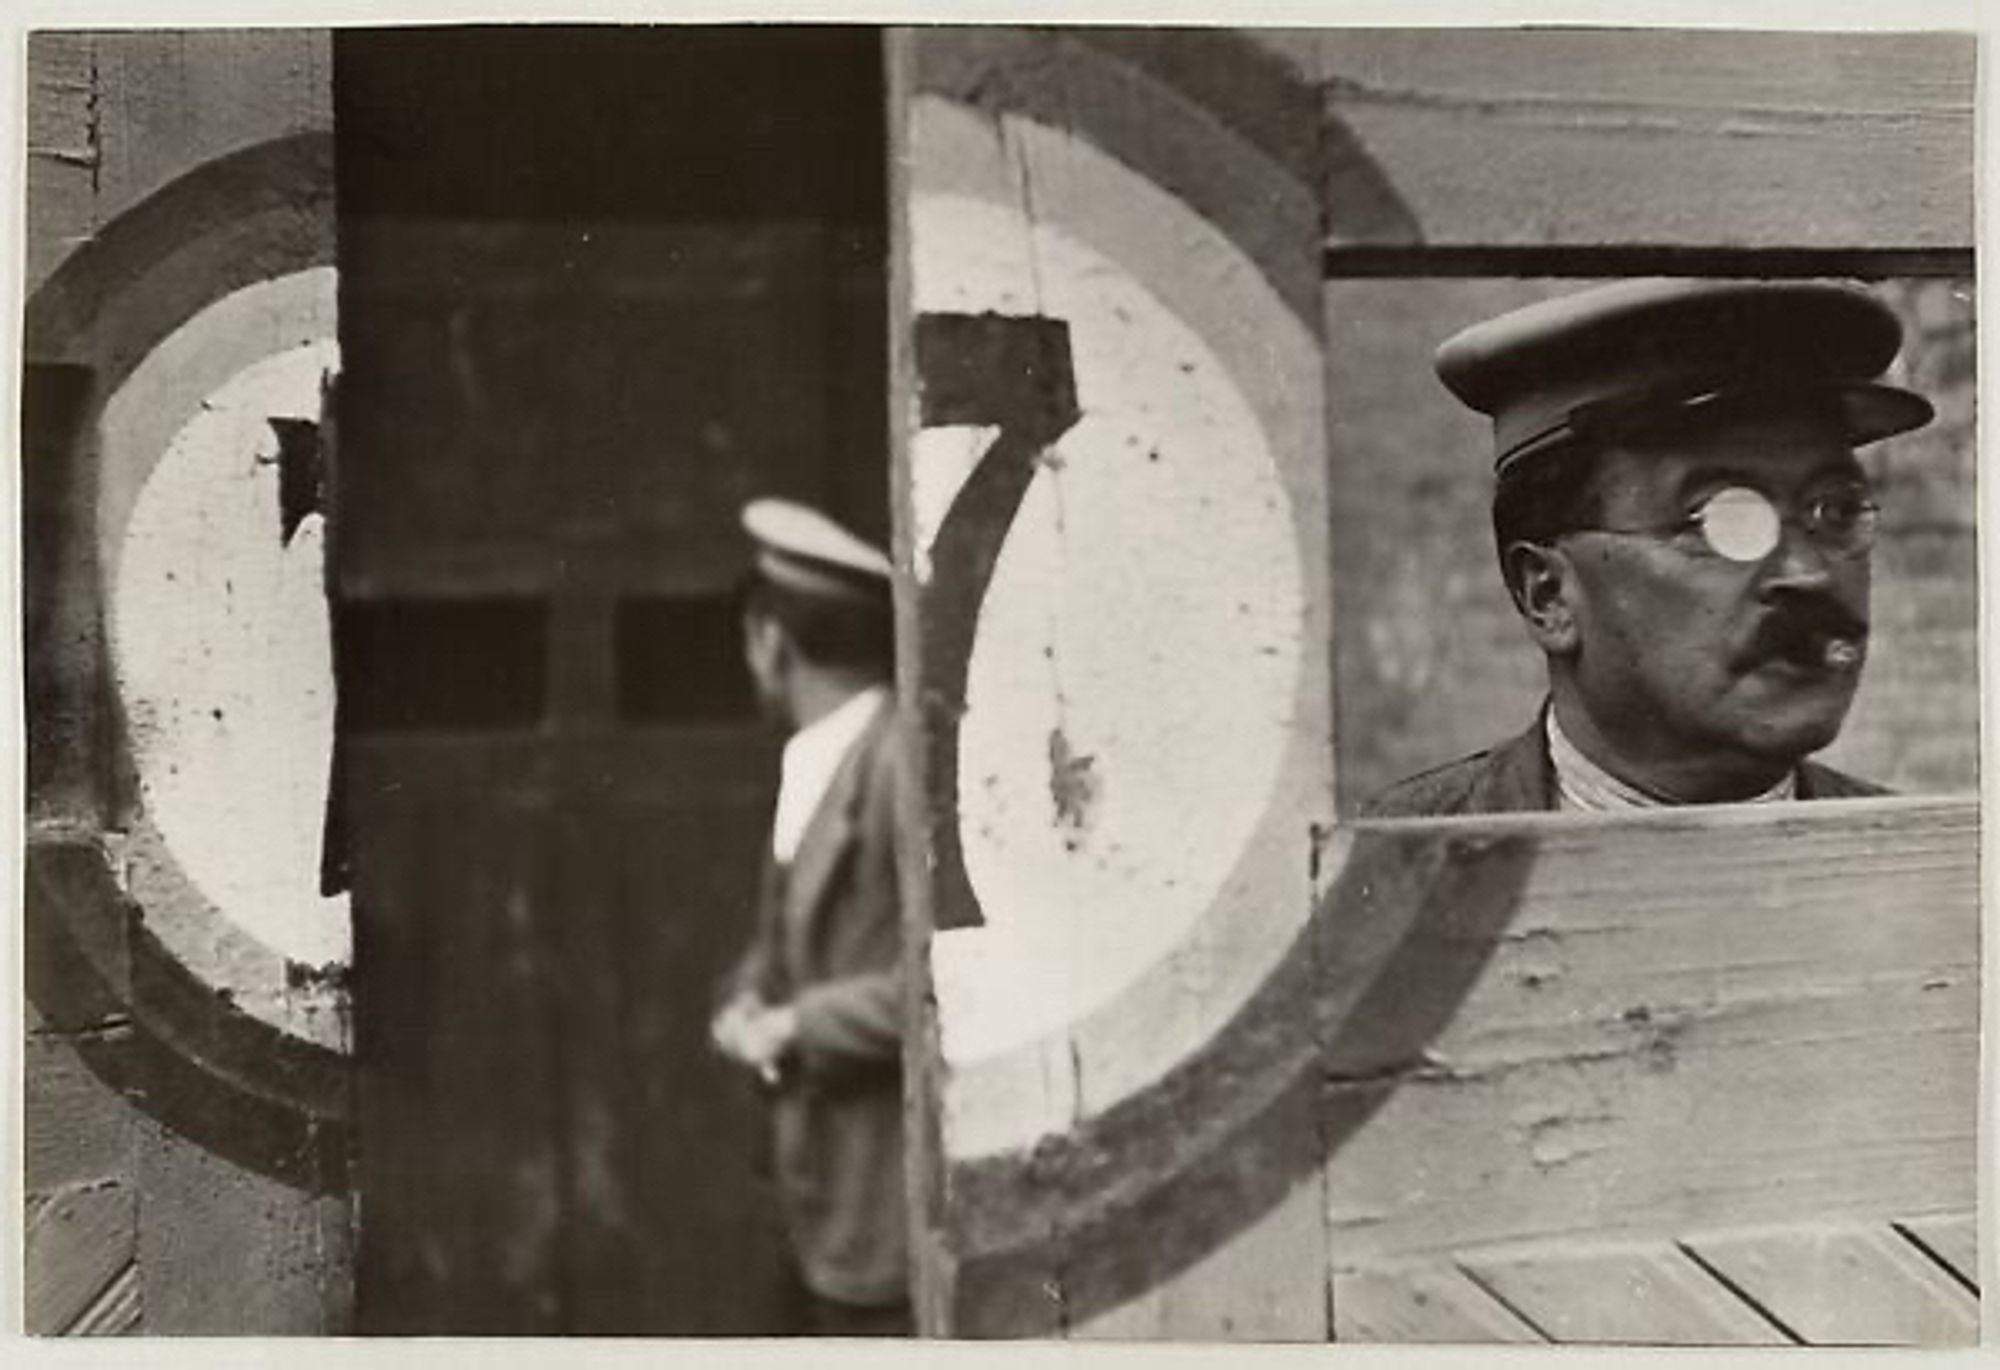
pixel 764 641
pixel 1542 580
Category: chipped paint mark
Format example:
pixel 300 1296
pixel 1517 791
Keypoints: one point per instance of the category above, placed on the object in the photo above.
pixel 1660 1030
pixel 1538 960
pixel 332 975
pixel 1074 785
pixel 1559 1139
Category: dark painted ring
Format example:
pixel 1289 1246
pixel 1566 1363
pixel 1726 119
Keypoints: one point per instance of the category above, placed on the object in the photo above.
pixel 1140 1194
pixel 176 1047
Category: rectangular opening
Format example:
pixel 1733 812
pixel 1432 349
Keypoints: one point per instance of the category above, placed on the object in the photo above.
pixel 680 660
pixel 413 665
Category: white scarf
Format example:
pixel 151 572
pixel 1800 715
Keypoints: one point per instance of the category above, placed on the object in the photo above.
pixel 1583 786
pixel 811 759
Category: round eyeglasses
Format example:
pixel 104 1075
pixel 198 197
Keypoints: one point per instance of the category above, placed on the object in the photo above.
pixel 1740 524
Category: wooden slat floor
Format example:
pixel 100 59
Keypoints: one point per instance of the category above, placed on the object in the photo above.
pixel 1893 1283
pixel 80 1254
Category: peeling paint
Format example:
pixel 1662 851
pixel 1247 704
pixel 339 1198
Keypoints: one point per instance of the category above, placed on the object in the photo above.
pixel 1563 1138
pixel 333 975
pixel 1074 785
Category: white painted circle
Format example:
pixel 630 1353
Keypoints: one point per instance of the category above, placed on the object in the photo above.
pixel 221 649
pixel 1137 648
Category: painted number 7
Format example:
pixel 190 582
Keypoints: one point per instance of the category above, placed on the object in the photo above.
pixel 1013 372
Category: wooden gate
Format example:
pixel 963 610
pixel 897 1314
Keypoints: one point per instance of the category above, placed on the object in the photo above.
pixel 598 287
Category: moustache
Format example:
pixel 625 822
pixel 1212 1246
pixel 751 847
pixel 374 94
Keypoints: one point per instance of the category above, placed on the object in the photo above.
pixel 1814 632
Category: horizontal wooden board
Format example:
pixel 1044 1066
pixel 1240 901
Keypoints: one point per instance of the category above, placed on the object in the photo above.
pixel 1724 1018
pixel 1570 1035
pixel 1663 137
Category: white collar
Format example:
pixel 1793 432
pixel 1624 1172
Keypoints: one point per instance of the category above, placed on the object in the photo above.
pixel 811 758
pixel 1584 786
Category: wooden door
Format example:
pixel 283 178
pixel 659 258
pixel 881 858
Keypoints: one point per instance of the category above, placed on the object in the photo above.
pixel 598 286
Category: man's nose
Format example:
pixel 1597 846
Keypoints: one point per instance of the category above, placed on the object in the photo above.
pixel 1799 561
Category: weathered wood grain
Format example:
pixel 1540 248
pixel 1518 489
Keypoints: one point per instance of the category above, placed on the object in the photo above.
pixel 221 1249
pixel 1667 137
pixel 1675 1020
pixel 1656 1028
pixel 1651 1294
pixel 1265 1284
pixel 61 83
pixel 76 1130
pixel 119 1311
pixel 1845 1285
pixel 174 99
pixel 452 1008
pixel 1662 1027
pixel 1422 1303
pixel 1951 1238
pixel 75 1247
pixel 182 1238
pixel 62 149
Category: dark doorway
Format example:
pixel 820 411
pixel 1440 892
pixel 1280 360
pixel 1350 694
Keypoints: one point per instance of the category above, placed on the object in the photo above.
pixel 597 287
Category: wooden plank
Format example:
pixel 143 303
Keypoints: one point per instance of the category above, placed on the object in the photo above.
pixel 1669 1032
pixel 1846 1285
pixel 1665 137
pixel 602 1253
pixel 61 84
pixel 62 149
pixel 226 1251
pixel 682 896
pixel 1651 1294
pixel 1264 1284
pixel 1727 72
pixel 1764 1129
pixel 119 1310
pixel 1425 1303
pixel 171 100
pixel 76 1246
pixel 1951 1238
pixel 76 1129
pixel 453 1011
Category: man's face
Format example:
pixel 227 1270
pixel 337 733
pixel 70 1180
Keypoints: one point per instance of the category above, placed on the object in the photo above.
pixel 1683 656
pixel 763 654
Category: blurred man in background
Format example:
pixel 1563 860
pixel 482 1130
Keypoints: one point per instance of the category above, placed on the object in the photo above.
pixel 815 1008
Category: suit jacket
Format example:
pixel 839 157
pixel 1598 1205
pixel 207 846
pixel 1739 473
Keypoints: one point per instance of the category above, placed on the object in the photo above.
pixel 1517 776
pixel 829 943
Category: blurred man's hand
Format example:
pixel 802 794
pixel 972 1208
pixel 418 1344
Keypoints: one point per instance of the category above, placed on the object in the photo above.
pixel 727 1032
pixel 755 1035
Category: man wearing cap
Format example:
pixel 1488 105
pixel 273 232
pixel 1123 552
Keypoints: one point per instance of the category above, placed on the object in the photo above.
pixel 1685 531
pixel 815 1007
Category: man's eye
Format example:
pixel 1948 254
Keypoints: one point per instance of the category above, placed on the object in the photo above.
pixel 1843 509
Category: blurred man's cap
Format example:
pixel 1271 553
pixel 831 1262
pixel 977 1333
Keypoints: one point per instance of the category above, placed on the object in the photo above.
pixel 1558 369
pixel 803 550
